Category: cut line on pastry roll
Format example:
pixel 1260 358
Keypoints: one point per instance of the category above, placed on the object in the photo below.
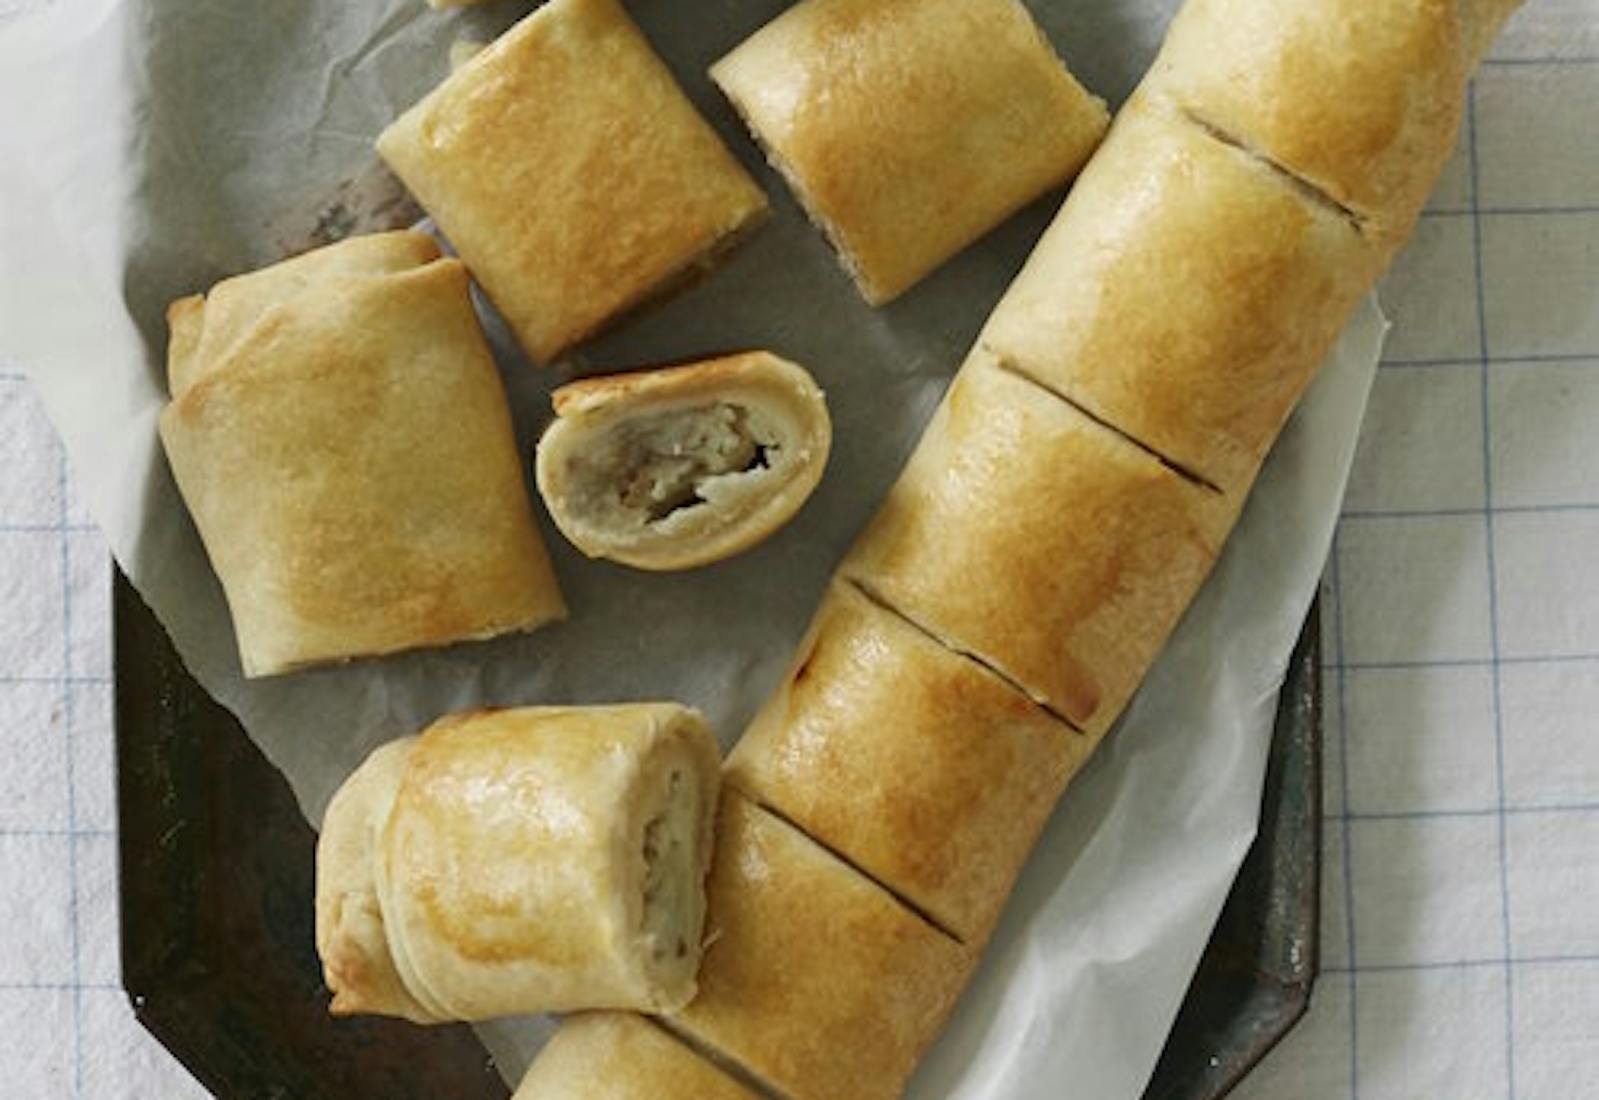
pixel 1048 545
pixel 910 129
pixel 683 466
pixel 545 859
pixel 816 981
pixel 619 1056
pixel 571 173
pixel 1185 295
pixel 341 436
pixel 913 763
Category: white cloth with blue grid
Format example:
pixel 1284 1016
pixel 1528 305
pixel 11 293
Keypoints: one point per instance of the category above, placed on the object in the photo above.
pixel 1460 947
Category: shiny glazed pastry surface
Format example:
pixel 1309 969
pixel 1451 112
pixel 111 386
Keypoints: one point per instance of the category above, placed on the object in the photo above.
pixel 570 172
pixel 1041 542
pixel 340 434
pixel 510 862
pixel 917 764
pixel 683 466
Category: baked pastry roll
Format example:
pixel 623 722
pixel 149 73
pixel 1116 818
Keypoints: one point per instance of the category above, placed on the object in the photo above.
pixel 673 468
pixel 341 436
pixel 1360 100
pixel 1048 546
pixel 816 981
pixel 618 1056
pixel 1187 295
pixel 536 860
pixel 910 129
pixel 570 172
pixel 915 763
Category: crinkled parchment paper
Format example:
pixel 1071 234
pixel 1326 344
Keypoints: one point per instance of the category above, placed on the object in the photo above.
pixel 149 147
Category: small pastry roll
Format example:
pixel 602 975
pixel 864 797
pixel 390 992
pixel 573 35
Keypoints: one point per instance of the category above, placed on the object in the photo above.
pixel 1361 100
pixel 916 763
pixel 341 436
pixel 618 1056
pixel 1045 544
pixel 545 859
pixel 674 468
pixel 1186 294
pixel 571 173
pixel 910 129
pixel 816 981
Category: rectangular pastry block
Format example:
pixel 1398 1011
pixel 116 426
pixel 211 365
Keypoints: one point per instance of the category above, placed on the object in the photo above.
pixel 916 763
pixel 1045 544
pixel 341 436
pixel 816 981
pixel 570 172
pixel 910 129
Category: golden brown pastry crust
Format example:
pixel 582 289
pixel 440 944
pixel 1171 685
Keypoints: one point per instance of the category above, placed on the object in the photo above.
pixel 570 172
pixel 616 1056
pixel 349 461
pixel 1045 544
pixel 815 979
pixel 513 874
pixel 910 129
pixel 1186 294
pixel 917 764
pixel 598 454
pixel 1361 99
pixel 350 936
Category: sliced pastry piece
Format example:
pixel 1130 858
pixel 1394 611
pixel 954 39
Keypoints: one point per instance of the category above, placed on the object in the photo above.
pixel 1048 546
pixel 679 467
pixel 910 128
pixel 340 434
pixel 619 1056
pixel 916 763
pixel 545 859
pixel 1186 294
pixel 1362 101
pixel 571 173
pixel 816 981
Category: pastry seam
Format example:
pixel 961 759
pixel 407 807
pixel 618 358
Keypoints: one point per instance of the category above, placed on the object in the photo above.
pixel 718 1059
pixel 1311 191
pixel 1011 366
pixel 877 599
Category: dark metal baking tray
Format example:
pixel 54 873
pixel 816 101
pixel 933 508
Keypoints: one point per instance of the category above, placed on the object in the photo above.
pixel 217 944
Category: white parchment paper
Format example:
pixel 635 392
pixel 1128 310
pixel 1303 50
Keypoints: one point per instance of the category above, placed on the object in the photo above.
pixel 150 147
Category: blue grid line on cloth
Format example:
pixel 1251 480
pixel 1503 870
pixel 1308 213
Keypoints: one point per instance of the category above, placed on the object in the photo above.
pixel 1434 513
pixel 1344 826
pixel 68 708
pixel 1509 811
pixel 1499 361
pixel 1465 964
pixel 1493 589
pixel 1467 662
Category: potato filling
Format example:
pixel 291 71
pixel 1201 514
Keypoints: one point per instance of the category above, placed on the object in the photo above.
pixel 650 468
pixel 671 887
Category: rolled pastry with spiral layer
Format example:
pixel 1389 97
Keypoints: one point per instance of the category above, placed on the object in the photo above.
pixel 817 982
pixel 916 763
pixel 341 436
pixel 619 1056
pixel 546 859
pixel 680 467
pixel 1041 542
